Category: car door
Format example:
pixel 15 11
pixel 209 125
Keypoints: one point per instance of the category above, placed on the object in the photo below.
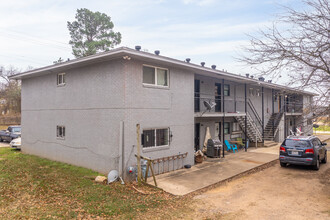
pixel 7 134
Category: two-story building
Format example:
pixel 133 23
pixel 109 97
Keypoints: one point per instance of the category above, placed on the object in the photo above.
pixel 85 111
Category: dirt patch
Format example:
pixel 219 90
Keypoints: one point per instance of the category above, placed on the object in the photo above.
pixel 272 193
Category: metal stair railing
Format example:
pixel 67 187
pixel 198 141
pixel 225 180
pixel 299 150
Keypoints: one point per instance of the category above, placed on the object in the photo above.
pixel 255 118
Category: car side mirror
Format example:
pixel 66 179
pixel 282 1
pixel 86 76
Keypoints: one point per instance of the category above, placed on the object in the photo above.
pixel 324 143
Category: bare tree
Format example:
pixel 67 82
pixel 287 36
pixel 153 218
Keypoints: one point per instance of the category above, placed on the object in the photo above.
pixel 297 44
pixel 10 91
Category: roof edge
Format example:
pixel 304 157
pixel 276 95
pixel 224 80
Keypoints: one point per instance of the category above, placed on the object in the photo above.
pixel 142 54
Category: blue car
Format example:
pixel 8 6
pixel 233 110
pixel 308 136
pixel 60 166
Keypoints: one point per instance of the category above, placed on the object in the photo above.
pixel 302 150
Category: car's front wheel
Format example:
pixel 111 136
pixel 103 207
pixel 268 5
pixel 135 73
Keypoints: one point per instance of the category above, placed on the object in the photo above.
pixel 317 165
pixel 325 158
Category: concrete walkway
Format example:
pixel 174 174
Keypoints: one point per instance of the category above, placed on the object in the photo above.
pixel 213 171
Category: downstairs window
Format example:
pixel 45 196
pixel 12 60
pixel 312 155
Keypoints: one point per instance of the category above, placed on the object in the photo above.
pixel 155 137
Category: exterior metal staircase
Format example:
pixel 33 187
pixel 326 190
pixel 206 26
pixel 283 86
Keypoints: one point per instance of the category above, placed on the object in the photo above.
pixel 253 132
pixel 253 122
pixel 272 126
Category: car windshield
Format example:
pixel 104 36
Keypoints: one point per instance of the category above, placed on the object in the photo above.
pixel 296 143
pixel 16 129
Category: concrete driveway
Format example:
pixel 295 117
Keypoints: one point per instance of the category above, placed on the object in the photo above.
pixel 214 171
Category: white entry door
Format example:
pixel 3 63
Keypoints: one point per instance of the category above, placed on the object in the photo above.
pixel 217 128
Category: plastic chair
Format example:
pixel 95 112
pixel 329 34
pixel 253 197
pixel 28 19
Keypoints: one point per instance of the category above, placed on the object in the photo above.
pixel 229 146
pixel 241 142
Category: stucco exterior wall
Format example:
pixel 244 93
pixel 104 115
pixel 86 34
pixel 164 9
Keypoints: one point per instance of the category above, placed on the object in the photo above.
pixel 210 123
pixel 90 106
pixel 154 107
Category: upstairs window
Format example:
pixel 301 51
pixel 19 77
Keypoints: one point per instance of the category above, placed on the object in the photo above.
pixel 61 79
pixel 60 133
pixel 155 76
pixel 226 90
pixel 251 92
pixel 155 137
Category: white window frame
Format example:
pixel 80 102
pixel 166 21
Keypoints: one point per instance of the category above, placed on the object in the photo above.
pixel 62 137
pixel 229 125
pixel 155 85
pixel 63 79
pixel 235 126
pixel 228 86
pixel 251 92
pixel 258 92
pixel 155 138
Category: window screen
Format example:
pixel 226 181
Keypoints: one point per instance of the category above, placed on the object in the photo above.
pixel 148 75
pixel 155 137
pixel 161 77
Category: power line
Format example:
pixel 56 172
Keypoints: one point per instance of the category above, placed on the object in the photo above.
pixel 27 40
pixel 30 36
pixel 26 59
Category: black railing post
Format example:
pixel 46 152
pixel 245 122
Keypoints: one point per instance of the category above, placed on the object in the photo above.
pixel 263 114
pixel 273 97
pixel 246 137
pixel 223 117
pixel 284 111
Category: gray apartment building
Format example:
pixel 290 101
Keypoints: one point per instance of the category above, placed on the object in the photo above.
pixel 85 111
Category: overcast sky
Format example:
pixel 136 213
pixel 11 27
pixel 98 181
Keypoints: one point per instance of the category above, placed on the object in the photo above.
pixel 34 32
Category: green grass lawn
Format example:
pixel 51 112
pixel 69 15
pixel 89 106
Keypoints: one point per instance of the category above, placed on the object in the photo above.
pixel 322 128
pixel 33 188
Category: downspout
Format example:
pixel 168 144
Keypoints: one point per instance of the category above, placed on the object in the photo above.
pixel 245 100
pixel 121 151
pixel 223 117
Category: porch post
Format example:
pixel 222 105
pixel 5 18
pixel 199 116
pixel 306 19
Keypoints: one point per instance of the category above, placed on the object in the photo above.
pixel 245 102
pixel 284 111
pixel 235 98
pixel 263 114
pixel 273 110
pixel 223 117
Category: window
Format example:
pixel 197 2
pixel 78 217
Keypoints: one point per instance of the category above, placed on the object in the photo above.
pixel 295 143
pixel 60 132
pixel 226 90
pixel 155 137
pixel 258 92
pixel 61 79
pixel 16 129
pixel 226 127
pixel 235 126
pixel 155 76
pixel 316 142
pixel 251 92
